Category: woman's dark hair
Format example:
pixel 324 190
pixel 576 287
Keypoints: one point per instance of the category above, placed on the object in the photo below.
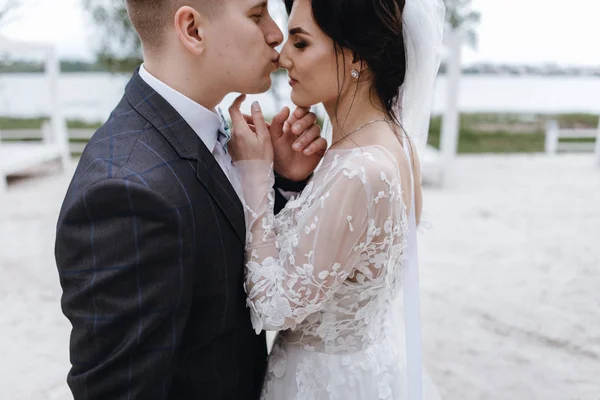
pixel 372 30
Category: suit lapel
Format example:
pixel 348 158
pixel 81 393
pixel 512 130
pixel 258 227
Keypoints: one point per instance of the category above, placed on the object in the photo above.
pixel 210 174
pixel 158 112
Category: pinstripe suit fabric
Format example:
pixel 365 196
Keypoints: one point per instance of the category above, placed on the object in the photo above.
pixel 150 252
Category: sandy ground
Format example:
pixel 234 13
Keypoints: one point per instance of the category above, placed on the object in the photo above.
pixel 510 282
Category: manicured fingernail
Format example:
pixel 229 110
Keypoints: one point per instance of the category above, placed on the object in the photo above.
pixel 307 152
pixel 297 146
pixel 256 106
pixel 296 128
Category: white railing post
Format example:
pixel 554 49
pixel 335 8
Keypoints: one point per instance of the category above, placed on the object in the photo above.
pixel 47 137
pixel 551 137
pixel 597 151
pixel 3 184
pixel 451 119
pixel 57 120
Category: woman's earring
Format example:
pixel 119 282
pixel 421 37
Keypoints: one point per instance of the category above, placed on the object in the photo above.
pixel 355 74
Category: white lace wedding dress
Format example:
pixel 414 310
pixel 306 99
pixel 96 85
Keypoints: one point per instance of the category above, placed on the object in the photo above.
pixel 327 272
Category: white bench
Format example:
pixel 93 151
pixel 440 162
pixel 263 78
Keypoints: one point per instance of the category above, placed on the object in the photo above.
pixel 19 155
pixel 555 144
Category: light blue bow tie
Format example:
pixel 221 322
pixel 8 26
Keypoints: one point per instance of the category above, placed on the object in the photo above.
pixel 224 135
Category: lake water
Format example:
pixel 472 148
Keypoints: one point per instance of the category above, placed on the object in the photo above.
pixel 92 96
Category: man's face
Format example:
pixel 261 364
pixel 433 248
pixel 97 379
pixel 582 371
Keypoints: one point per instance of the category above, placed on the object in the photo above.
pixel 240 46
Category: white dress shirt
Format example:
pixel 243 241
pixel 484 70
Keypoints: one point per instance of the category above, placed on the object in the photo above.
pixel 204 122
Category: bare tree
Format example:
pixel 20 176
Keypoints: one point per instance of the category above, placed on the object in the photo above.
pixel 460 14
pixel 7 7
pixel 119 46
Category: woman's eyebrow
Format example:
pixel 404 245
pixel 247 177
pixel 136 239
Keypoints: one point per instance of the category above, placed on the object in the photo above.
pixel 295 31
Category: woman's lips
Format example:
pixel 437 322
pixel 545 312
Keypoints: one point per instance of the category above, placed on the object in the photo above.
pixel 293 82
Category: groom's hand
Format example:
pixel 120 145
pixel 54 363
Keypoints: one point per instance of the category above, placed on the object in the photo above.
pixel 297 143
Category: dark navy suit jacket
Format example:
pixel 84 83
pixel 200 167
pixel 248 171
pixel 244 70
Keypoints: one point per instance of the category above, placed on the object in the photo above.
pixel 150 253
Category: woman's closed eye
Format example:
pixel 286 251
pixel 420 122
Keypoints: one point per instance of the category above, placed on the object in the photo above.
pixel 300 45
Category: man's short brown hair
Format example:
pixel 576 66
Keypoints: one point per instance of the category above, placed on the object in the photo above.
pixel 150 18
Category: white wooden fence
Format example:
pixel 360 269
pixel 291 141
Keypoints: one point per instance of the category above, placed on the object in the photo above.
pixel 19 155
pixel 572 140
pixel 78 138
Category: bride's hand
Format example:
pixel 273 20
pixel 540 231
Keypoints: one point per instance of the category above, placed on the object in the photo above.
pixel 250 140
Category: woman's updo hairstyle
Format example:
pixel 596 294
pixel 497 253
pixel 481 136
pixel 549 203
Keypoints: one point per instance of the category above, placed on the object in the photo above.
pixel 372 30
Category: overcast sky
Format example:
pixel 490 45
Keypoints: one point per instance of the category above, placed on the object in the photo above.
pixel 513 31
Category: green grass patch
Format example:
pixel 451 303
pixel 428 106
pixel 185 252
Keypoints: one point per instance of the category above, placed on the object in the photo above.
pixel 20 123
pixel 479 133
pixel 8 123
pixel 508 133
pixel 499 142
pixel 578 140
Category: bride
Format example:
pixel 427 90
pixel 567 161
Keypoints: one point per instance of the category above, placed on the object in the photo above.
pixel 328 270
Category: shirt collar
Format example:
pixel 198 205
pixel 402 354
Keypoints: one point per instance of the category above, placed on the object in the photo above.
pixel 204 122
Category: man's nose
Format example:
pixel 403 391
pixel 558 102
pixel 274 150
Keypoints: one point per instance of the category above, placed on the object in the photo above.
pixel 274 36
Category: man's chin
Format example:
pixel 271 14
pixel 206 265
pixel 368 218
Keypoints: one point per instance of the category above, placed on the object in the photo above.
pixel 261 86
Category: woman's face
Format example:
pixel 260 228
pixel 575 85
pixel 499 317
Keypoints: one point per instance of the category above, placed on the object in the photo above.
pixel 312 64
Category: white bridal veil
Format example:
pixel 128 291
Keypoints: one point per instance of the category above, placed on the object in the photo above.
pixel 424 22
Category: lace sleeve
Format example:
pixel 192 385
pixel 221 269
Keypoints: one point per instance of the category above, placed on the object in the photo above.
pixel 295 263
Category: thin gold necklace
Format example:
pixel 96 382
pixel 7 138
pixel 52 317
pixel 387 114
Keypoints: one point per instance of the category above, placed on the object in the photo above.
pixel 359 128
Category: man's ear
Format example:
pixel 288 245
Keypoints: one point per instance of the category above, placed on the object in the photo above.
pixel 189 25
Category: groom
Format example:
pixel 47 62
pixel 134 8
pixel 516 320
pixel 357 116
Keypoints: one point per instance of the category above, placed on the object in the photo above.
pixel 150 238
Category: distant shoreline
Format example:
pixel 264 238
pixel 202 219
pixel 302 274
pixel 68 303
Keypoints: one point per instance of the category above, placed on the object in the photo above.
pixel 465 72
pixel 483 69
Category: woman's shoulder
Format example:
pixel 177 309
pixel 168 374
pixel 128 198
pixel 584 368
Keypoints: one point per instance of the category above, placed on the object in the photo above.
pixel 369 163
